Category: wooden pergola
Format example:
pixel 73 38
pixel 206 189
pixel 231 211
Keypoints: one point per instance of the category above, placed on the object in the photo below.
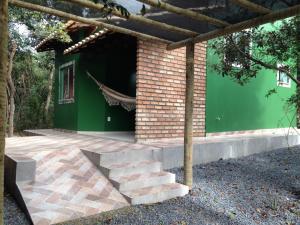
pixel 180 23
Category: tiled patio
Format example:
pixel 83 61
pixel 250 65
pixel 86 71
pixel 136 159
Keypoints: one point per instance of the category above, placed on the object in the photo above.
pixel 67 185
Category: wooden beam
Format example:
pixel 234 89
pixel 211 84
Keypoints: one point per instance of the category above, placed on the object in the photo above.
pixel 69 16
pixel 268 18
pixel 252 6
pixel 188 121
pixel 185 12
pixel 136 18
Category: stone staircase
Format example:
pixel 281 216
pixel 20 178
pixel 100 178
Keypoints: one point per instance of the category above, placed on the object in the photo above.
pixel 137 176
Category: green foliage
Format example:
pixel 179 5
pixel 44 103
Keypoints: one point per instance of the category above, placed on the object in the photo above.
pixel 246 53
pixel 31 70
pixel 271 92
pixel 234 63
pixel 267 45
pixel 143 10
pixel 110 5
pixel 30 74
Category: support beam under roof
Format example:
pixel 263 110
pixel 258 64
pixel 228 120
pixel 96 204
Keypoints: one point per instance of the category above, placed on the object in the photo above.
pixel 69 16
pixel 252 6
pixel 268 18
pixel 185 12
pixel 135 18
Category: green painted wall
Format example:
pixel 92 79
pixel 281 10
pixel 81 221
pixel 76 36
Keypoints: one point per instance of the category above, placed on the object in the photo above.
pixel 65 115
pixel 115 66
pixel 231 107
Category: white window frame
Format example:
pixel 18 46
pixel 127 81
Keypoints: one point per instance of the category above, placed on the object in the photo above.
pixel 283 84
pixel 61 99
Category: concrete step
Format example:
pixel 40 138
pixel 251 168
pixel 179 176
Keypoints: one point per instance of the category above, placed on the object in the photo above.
pixel 155 194
pixel 142 180
pixel 99 158
pixel 129 168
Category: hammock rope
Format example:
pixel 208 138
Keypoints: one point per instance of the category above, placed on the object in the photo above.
pixel 113 97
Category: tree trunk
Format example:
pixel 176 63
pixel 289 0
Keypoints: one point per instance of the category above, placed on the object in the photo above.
pixel 188 122
pixel 49 96
pixel 3 97
pixel 12 90
pixel 298 71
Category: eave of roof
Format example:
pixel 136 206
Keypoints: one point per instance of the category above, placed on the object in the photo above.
pixel 87 41
pixel 50 42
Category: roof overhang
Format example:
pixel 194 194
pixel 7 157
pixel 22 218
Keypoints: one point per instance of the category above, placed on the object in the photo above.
pixel 88 41
pixel 51 42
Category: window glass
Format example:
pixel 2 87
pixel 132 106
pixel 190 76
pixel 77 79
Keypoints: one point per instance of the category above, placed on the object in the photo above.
pixel 71 83
pixel 283 79
pixel 66 83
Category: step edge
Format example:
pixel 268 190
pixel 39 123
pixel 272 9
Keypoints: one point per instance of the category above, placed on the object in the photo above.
pixel 153 182
pixel 116 179
pixel 180 186
pixel 132 166
pixel 174 193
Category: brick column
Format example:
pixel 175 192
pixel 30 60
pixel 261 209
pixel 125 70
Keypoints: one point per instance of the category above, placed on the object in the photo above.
pixel 161 89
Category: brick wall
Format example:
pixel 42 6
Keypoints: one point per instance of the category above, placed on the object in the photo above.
pixel 161 91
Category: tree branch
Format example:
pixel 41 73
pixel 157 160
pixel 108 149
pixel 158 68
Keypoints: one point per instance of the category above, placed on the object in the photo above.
pixel 266 65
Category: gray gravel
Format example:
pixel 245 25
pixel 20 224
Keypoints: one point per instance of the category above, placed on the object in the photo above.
pixel 259 189
pixel 13 215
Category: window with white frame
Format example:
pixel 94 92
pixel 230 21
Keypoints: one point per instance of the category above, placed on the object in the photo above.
pixel 66 82
pixel 283 79
pixel 232 55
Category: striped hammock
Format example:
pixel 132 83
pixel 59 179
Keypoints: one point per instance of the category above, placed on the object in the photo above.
pixel 113 97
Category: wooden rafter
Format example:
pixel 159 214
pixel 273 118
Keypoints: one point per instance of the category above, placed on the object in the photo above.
pixel 268 18
pixel 136 18
pixel 252 6
pixel 69 16
pixel 185 12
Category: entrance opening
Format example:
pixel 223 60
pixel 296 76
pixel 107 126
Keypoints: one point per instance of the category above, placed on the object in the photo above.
pixel 112 62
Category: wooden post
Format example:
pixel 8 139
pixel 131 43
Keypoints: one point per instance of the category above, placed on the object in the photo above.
pixel 188 122
pixel 298 70
pixel 3 97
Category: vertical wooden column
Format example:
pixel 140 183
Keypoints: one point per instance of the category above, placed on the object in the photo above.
pixel 3 97
pixel 188 122
pixel 298 70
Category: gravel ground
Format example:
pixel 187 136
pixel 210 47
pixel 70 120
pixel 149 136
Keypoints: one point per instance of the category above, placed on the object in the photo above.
pixel 13 215
pixel 259 189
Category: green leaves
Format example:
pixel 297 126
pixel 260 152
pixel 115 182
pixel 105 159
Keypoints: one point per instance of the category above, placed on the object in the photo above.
pixel 30 74
pixel 110 5
pixel 268 45
pixel 271 92
pixel 143 10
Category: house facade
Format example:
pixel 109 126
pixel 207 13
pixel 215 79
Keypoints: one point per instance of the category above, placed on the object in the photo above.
pixel 156 78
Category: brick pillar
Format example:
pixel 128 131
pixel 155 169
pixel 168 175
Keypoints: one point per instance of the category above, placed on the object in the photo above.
pixel 161 91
